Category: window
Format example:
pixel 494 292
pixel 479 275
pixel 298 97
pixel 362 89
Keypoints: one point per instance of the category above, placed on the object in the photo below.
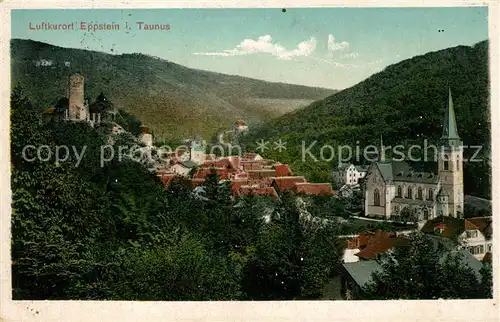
pixel 376 198
pixel 446 163
pixel 438 230
pixel 426 214
pixel 419 193
pixel 409 193
pixel 471 233
pixel 458 163
pixel 430 194
pixel 400 192
pixel 476 250
pixel 488 247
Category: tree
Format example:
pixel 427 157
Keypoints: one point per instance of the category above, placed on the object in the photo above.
pixel 293 258
pixel 425 269
pixel 408 214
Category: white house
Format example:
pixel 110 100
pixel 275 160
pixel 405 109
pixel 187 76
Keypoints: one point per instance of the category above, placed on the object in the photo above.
pixel 183 168
pixel 473 234
pixel 350 174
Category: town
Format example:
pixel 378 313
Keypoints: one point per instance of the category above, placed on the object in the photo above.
pixel 428 198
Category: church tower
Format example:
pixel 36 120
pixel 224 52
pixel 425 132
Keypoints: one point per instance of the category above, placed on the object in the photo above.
pixel 450 165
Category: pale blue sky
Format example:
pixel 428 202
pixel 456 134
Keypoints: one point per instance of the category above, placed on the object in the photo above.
pixel 362 40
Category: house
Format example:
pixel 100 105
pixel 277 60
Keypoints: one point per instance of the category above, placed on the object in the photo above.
pixel 256 191
pixel 351 174
pixel 222 173
pixel 355 275
pixel 262 173
pixel 430 189
pixel 183 168
pixel 239 126
pixel 252 157
pixel 371 244
pixel 473 234
pixel 251 164
pixel 282 170
pixel 316 189
pixel 282 184
pixel 166 178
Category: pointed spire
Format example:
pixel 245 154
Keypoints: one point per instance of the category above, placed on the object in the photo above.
pixel 450 131
pixel 381 155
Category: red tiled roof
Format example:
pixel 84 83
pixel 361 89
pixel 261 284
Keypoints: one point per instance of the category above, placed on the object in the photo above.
pixel 260 191
pixel 450 227
pixel 317 189
pixel 250 156
pixel 241 175
pixel 164 171
pixel 202 173
pixel 235 161
pixel 479 223
pixel 381 245
pixel 262 173
pixel 237 184
pixel 166 178
pixel 364 239
pixel 251 165
pixel 287 183
pixel 196 182
pixel 283 170
pixel 222 163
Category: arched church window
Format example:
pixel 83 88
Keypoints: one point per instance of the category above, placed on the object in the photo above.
pixel 419 193
pixel 409 193
pixel 446 163
pixel 430 194
pixel 376 197
pixel 458 163
pixel 426 214
pixel 400 192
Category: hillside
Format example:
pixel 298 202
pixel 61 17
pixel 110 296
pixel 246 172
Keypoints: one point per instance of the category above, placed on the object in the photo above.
pixel 404 104
pixel 175 101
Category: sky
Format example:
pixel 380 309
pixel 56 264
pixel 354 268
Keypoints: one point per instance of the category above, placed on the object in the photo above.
pixel 325 47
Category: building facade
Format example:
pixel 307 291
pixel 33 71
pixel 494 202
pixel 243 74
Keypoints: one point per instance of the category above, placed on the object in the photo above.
pixel 427 189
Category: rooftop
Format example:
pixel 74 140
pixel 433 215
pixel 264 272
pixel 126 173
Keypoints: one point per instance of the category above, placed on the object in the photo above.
pixel 361 272
pixel 408 171
pixel 314 188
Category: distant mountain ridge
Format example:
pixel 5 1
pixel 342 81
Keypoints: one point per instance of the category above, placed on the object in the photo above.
pixel 175 101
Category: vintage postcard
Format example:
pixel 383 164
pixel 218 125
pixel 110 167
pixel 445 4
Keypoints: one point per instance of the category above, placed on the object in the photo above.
pixel 233 162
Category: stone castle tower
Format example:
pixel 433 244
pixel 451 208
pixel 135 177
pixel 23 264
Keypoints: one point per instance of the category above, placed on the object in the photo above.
pixel 77 109
pixel 450 165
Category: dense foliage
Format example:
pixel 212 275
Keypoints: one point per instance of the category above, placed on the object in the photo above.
pixel 404 104
pixel 85 231
pixel 426 269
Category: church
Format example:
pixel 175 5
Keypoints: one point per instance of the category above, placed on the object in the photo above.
pixel 430 189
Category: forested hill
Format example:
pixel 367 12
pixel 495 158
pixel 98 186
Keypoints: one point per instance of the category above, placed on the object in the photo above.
pixel 404 103
pixel 175 101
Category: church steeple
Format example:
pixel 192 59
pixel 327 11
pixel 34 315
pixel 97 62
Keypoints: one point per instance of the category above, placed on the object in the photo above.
pixel 450 133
